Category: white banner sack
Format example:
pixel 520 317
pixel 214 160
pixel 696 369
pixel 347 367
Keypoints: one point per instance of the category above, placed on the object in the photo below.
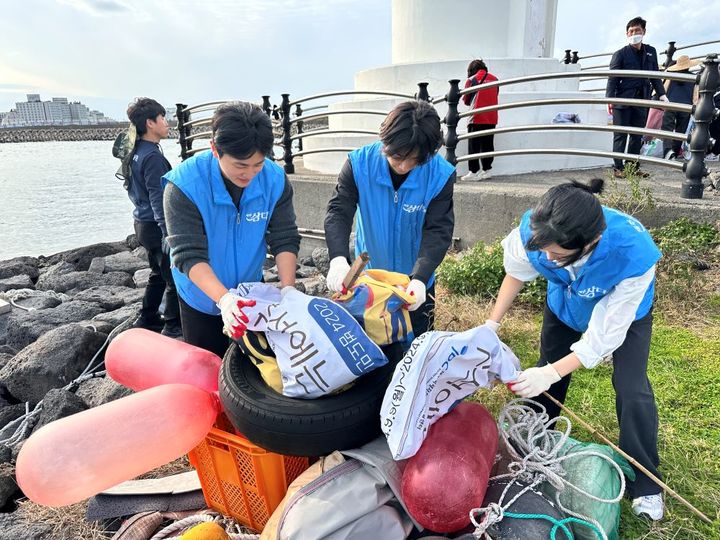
pixel 440 369
pixel 319 346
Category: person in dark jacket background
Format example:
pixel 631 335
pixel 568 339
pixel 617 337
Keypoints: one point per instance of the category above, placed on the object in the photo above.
pixel 636 55
pixel 147 167
pixel 478 73
pixel 402 191
pixel 678 92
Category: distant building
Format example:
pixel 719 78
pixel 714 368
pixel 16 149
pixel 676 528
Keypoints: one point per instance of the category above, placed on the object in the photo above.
pixel 58 112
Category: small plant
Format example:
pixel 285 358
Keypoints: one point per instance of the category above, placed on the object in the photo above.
pixel 631 196
pixel 479 271
pixel 686 236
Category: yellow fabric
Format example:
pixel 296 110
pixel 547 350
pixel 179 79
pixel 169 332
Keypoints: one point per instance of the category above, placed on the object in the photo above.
pixel 206 531
pixel 377 300
pixel 256 347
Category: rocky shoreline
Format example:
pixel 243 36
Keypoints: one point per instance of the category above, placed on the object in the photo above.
pixel 62 310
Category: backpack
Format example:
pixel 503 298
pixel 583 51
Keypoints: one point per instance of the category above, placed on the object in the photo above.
pixel 124 150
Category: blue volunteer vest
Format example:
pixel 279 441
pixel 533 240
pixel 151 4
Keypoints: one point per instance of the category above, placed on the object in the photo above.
pixel 625 250
pixel 236 238
pixel 389 223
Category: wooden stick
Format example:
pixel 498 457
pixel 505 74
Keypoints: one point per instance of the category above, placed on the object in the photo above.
pixel 647 473
pixel 356 269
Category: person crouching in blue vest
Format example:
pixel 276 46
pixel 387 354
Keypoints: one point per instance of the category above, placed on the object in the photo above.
pixel 223 208
pixel 600 267
pixel 402 191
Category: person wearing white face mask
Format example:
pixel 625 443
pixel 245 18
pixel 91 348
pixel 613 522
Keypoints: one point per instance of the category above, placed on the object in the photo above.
pixel 636 55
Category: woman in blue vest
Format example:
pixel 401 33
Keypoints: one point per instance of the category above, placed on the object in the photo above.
pixel 402 191
pixel 600 268
pixel 223 209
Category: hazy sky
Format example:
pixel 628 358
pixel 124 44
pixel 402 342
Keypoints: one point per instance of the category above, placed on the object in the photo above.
pixel 105 52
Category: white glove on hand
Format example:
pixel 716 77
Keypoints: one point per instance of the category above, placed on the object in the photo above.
pixel 417 289
pixel 234 319
pixel 492 325
pixel 663 98
pixel 339 268
pixel 534 381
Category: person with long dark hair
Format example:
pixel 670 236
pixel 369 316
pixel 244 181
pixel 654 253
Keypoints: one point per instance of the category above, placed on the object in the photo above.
pixel 600 267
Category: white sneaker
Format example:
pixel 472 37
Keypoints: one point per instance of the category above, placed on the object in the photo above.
pixel 670 155
pixel 484 175
pixel 470 177
pixel 651 506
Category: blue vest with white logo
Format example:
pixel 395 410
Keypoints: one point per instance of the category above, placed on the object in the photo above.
pixel 625 250
pixel 236 238
pixel 389 223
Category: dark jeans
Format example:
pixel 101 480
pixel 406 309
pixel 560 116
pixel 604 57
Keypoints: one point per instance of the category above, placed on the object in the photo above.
pixel 628 116
pixel 423 318
pixel 203 330
pixel 161 282
pixel 674 121
pixel 480 144
pixel 634 400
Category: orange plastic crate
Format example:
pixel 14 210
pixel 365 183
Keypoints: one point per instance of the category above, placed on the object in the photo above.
pixel 240 479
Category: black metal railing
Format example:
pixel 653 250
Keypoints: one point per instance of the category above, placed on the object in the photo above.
pixel 288 120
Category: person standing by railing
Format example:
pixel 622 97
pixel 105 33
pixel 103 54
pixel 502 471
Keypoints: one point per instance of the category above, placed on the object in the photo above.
pixel 478 73
pixel 678 92
pixel 636 55
pixel 402 191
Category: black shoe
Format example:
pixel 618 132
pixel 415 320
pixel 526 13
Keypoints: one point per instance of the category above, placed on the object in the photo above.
pixel 152 323
pixel 618 173
pixel 172 330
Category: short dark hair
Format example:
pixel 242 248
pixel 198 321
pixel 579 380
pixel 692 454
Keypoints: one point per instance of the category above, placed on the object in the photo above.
pixel 569 215
pixel 240 129
pixel 475 66
pixel 637 21
pixel 412 127
pixel 141 110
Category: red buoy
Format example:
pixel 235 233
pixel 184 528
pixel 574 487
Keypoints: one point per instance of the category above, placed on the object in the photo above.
pixel 141 359
pixel 449 475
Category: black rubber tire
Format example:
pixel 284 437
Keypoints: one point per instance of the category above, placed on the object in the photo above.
pixel 303 427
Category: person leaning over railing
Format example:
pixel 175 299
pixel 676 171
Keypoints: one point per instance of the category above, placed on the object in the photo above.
pixel 636 55
pixel 223 208
pixel 402 191
pixel 600 267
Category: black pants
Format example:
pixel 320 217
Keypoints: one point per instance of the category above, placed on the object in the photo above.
pixel 203 330
pixel 628 116
pixel 634 400
pixel 481 144
pixel 674 121
pixel 423 318
pixel 161 282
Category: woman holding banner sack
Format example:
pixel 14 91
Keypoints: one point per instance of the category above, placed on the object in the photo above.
pixel 600 268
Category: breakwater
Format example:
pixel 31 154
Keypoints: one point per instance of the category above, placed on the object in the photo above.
pixel 66 133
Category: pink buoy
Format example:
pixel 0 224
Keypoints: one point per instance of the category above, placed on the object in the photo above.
pixel 141 359
pixel 449 475
pixel 81 455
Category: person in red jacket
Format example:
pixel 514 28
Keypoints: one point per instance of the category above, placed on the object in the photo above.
pixel 478 74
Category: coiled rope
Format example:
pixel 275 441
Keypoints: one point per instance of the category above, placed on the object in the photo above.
pixel 232 528
pixel 536 453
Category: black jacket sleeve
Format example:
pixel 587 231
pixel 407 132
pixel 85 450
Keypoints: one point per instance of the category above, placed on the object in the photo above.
pixel 186 230
pixel 656 83
pixel 282 232
pixel 154 167
pixel 341 213
pixel 615 63
pixel 437 232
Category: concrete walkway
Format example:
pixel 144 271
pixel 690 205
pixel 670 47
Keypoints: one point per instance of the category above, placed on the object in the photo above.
pixel 488 209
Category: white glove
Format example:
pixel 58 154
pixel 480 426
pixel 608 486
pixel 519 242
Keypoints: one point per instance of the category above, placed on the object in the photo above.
pixel 534 381
pixel 234 319
pixel 417 289
pixel 492 325
pixel 663 98
pixel 339 268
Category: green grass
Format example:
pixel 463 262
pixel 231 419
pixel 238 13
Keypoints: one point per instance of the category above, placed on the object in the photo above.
pixel 684 368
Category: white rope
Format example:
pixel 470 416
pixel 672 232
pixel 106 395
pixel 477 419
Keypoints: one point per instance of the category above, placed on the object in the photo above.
pixel 19 429
pixel 15 295
pixel 535 450
pixel 232 528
